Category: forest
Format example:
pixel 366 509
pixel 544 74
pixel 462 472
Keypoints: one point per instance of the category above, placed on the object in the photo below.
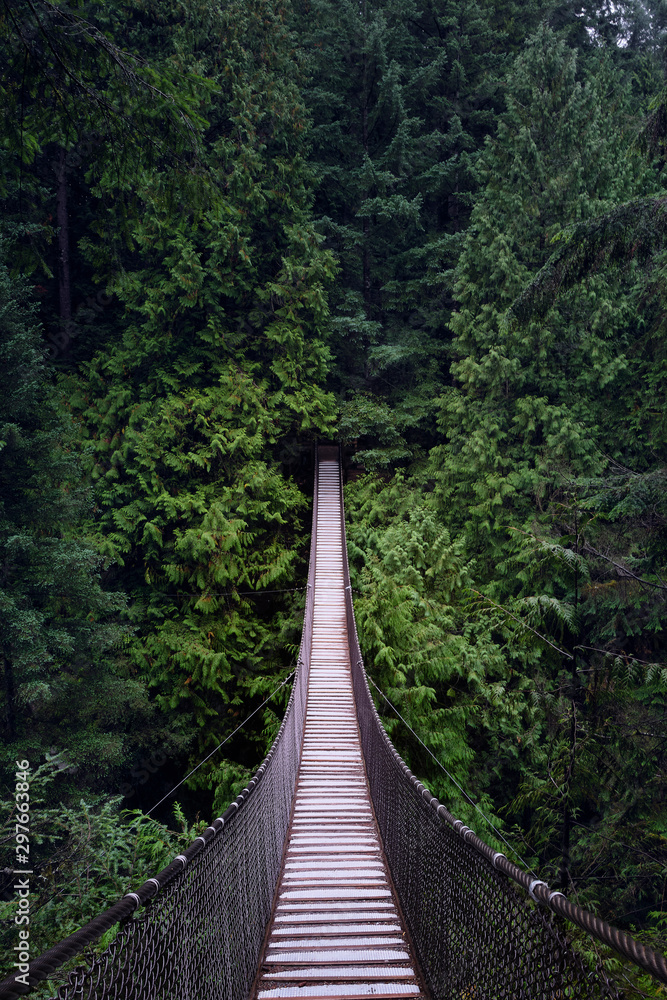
pixel 432 230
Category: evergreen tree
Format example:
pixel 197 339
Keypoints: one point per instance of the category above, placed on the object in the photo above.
pixel 533 401
pixel 216 369
pixel 446 672
pixel 75 104
pixel 537 408
pixel 65 684
pixel 402 94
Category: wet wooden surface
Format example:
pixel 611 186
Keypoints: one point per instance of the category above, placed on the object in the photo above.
pixel 336 930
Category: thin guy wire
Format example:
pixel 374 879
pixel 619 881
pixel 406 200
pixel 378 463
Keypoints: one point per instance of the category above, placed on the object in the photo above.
pixel 452 778
pixel 282 685
pixel 525 624
pixel 227 593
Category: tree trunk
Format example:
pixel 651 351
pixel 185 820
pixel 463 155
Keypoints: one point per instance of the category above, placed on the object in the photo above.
pixel 64 284
pixel 564 877
pixel 366 267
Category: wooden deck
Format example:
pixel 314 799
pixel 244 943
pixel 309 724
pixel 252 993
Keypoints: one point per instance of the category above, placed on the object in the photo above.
pixel 336 929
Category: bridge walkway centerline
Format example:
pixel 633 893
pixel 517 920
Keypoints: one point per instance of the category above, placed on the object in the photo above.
pixel 336 929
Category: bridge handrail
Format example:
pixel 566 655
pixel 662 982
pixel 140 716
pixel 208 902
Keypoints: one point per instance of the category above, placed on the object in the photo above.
pixel 111 966
pixel 451 835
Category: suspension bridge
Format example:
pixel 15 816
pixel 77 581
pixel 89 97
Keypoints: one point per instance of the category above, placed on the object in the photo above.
pixel 336 873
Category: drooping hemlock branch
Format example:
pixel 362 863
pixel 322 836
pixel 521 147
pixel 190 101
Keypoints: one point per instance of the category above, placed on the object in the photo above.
pixel 635 230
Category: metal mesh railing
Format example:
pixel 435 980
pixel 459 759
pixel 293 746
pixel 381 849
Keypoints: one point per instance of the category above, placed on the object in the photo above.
pixel 200 924
pixel 476 934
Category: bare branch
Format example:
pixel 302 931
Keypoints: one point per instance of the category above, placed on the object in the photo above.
pixel 623 570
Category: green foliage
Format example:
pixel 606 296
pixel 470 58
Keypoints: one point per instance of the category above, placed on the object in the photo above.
pixel 215 370
pixel 632 233
pixel 522 390
pixel 402 94
pixel 85 855
pixel 64 680
pixel 443 668
pixel 76 96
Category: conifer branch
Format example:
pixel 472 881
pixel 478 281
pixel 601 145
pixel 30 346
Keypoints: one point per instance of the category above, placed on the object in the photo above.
pixel 524 624
pixel 635 231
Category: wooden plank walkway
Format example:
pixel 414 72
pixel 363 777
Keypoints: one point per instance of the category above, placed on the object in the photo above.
pixel 336 929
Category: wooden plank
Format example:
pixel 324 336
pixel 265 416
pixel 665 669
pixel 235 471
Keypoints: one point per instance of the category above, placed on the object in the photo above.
pixel 374 973
pixel 352 991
